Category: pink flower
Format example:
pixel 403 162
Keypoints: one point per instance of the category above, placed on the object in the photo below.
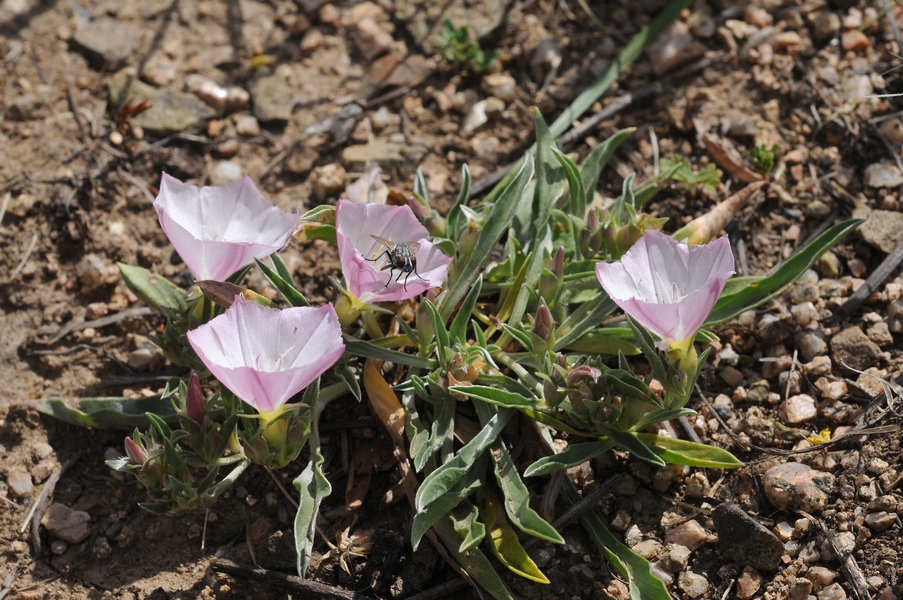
pixel 666 286
pixel 266 355
pixel 365 263
pixel 219 230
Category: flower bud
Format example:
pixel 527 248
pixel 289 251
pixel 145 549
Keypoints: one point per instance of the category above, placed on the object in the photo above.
pixel 557 264
pixel 583 374
pixel 551 281
pixel 136 454
pixel 194 400
pixel 542 325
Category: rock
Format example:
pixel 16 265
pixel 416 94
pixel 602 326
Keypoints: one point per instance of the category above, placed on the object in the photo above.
pixel 772 329
pixel 674 558
pixel 810 343
pixel 277 552
pixel 883 175
pixel 19 482
pixel 147 356
pixel 675 46
pixel 807 291
pixel 694 584
pixel 101 548
pixel 58 547
pixel 832 592
pixel 66 524
pixel 272 99
pixel 880 334
pixel 648 549
pixel 225 172
pixel 821 577
pixel 744 540
pixel 748 583
pixel 159 71
pixel 804 314
pixel 690 534
pixel 170 111
pixel 799 589
pixel 825 24
pixel 857 87
pixel 328 181
pixel 107 43
pixel 880 521
pixel 698 486
pixel 882 228
pixel 501 86
pixel 247 126
pixel 94 273
pixel 372 40
pixel 852 348
pixel 800 408
pixel 494 107
pixel 312 40
pixel 404 155
pixel 854 41
pixel 423 18
pixel 475 118
pixel 229 148
pixel 794 486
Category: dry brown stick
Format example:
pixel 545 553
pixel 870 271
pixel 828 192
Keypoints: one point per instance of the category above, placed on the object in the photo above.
pixel 310 589
pixel 40 505
pixel 848 564
pixel 884 270
pixel 95 323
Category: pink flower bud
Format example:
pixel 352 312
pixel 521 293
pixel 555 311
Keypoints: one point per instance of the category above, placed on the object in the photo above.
pixel 194 401
pixel 136 454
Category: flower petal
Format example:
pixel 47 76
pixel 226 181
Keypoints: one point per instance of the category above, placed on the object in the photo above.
pixel 365 261
pixel 667 287
pixel 218 230
pixel 266 355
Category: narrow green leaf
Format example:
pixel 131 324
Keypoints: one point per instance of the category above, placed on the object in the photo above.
pixel 370 350
pixel 440 481
pixel 596 161
pixel 584 319
pixel 467 524
pixel 577 192
pixel 573 455
pixel 683 452
pixel 517 498
pixel 285 287
pixel 458 329
pixel 107 412
pixel 312 486
pixel 420 190
pixel 631 443
pixel 156 291
pixel 743 293
pixel 443 343
pixel 455 214
pixel 432 514
pixel 643 585
pixel 658 415
pixel 520 336
pixel 504 543
pixel 495 227
pixel 475 563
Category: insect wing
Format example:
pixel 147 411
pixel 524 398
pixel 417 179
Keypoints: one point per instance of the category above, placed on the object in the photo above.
pixel 385 242
pixel 413 247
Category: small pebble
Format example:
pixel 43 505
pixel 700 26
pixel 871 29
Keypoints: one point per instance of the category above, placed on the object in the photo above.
pixel 880 521
pixel 796 486
pixel 832 592
pixel 821 577
pixel 810 343
pixel 846 542
pixel 20 483
pixel 66 524
pixel 804 314
pixel 690 534
pixel 501 86
pixel 748 583
pixel 744 540
pixel 648 549
pixel 226 172
pixel 247 126
pixel 693 584
pixel 854 41
pixel 58 547
pixel 800 408
pixel 784 531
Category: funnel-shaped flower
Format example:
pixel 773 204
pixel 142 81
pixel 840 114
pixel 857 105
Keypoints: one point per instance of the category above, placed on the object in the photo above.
pixel 366 262
pixel 219 230
pixel 668 287
pixel 266 355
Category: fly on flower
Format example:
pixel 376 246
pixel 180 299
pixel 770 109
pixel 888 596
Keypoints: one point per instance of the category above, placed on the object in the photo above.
pixel 401 257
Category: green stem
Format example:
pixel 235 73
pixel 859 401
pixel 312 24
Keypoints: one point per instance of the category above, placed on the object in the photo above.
pixel 530 381
pixel 371 325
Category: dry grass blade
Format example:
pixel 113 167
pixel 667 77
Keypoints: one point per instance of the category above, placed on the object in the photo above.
pixel 727 161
